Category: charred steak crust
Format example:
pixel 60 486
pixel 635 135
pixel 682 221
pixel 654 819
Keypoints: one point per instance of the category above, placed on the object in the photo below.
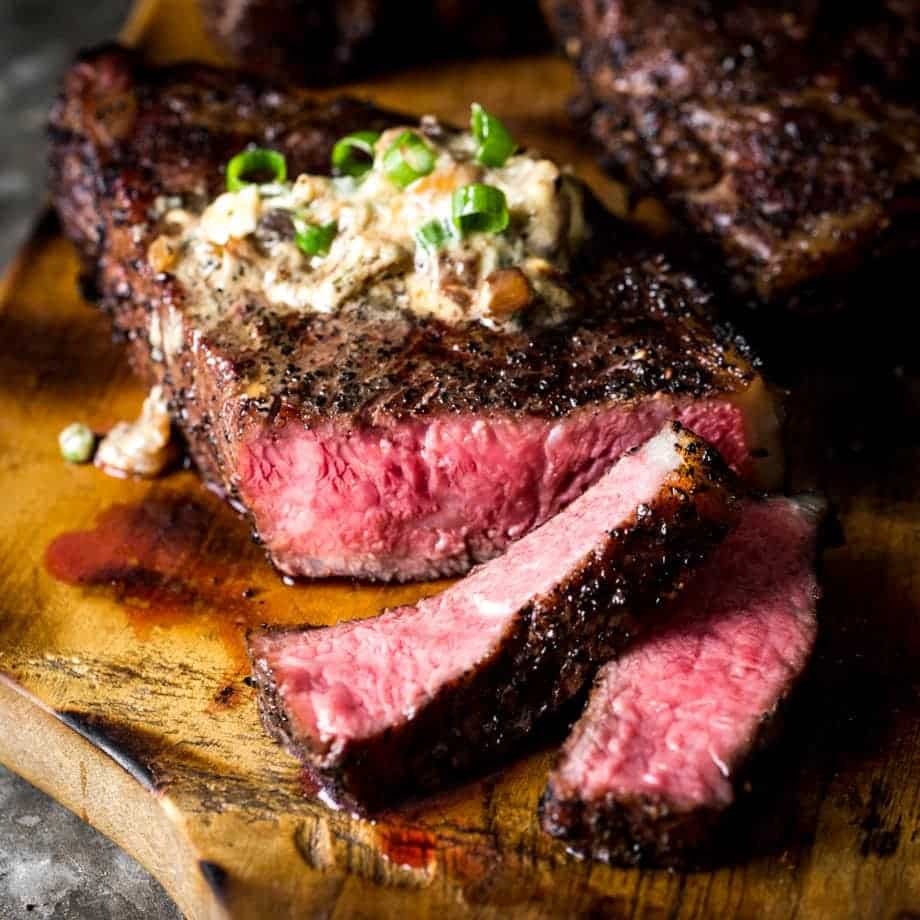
pixel 330 40
pixel 648 830
pixel 641 832
pixel 788 137
pixel 555 647
pixel 125 137
pixel 123 134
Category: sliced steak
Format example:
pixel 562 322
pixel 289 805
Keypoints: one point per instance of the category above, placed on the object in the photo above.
pixel 323 41
pixel 362 445
pixel 655 760
pixel 786 134
pixel 418 695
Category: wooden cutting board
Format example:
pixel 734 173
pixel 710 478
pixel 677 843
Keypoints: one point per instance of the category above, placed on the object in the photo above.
pixel 124 604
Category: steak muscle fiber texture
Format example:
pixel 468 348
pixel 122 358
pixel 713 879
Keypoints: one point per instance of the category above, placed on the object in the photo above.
pixel 408 700
pixel 785 134
pixel 651 767
pixel 361 445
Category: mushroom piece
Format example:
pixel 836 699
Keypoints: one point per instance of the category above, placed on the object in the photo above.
pixel 505 292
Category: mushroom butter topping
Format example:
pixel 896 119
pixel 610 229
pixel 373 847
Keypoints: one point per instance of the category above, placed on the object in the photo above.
pixel 452 225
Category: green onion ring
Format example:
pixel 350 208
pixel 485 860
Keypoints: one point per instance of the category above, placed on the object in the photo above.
pixel 479 208
pixel 77 443
pixel 314 239
pixel 256 166
pixel 494 142
pixel 353 155
pixel 407 159
pixel 434 234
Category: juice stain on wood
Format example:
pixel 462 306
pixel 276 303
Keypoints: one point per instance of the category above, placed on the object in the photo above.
pixel 162 561
pixel 408 847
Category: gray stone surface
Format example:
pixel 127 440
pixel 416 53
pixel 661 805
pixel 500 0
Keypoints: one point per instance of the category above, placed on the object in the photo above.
pixel 52 865
pixel 55 867
pixel 37 39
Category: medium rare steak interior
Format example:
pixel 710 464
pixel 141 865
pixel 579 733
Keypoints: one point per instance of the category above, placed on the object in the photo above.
pixel 402 702
pixel 361 437
pixel 784 133
pixel 657 757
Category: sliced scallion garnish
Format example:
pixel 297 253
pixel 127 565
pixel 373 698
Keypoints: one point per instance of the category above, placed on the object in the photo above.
pixel 408 158
pixel 353 155
pixel 494 143
pixel 256 166
pixel 314 239
pixel 479 208
pixel 77 443
pixel 434 234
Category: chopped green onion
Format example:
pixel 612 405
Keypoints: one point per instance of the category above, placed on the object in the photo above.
pixel 353 155
pixel 408 158
pixel 314 239
pixel 495 144
pixel 479 208
pixel 258 166
pixel 434 234
pixel 77 443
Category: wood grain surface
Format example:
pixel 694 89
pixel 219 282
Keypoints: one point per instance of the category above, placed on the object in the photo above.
pixel 123 607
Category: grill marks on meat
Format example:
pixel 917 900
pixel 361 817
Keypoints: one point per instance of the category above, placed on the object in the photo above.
pixel 418 695
pixel 323 41
pixel 347 437
pixel 654 762
pixel 786 134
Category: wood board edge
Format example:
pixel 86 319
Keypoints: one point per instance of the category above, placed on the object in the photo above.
pixel 105 794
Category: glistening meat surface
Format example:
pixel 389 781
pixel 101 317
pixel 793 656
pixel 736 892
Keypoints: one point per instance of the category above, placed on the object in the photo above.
pixel 407 700
pixel 655 760
pixel 379 447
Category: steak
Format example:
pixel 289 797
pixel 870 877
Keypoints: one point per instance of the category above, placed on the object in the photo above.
pixel 784 134
pixel 365 445
pixel 655 760
pixel 321 42
pixel 419 695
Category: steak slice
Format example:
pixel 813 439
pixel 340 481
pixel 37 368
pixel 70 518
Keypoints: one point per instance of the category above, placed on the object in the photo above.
pixel 786 134
pixel 368 446
pixel 418 695
pixel 330 40
pixel 654 762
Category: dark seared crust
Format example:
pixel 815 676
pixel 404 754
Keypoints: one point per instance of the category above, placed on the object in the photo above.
pixel 123 134
pixel 321 41
pixel 555 647
pixel 643 831
pixel 640 833
pixel 785 133
pixel 121 128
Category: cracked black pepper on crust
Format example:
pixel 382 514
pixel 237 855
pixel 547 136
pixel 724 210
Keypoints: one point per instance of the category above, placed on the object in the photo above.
pixel 124 136
pixel 785 133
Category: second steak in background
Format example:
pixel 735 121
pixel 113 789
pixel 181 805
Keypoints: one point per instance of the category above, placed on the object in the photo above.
pixel 785 134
